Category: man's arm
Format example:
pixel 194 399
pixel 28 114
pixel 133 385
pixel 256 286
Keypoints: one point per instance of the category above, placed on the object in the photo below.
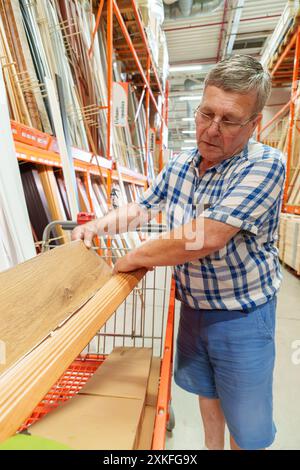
pixel 133 214
pixel 116 221
pixel 192 241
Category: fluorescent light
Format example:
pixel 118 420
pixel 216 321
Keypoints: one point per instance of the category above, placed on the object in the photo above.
pixel 185 68
pixel 190 98
pixel 190 141
pixel 187 148
pixel 188 132
pixel 188 119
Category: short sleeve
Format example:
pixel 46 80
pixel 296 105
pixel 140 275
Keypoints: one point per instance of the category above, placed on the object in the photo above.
pixel 251 195
pixel 154 198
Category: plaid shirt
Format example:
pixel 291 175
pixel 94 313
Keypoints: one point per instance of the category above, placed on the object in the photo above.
pixel 244 191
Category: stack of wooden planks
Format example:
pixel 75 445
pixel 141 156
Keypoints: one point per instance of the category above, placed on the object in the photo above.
pixel 52 306
pixel 289 240
pixel 41 41
pixel 115 410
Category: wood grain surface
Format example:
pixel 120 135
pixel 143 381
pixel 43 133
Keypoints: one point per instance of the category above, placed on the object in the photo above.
pixel 38 295
pixel 23 385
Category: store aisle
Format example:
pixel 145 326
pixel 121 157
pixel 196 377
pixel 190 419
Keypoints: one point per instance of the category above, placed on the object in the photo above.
pixel 188 432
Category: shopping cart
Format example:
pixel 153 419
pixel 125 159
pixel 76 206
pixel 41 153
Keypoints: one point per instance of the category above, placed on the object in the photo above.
pixel 145 319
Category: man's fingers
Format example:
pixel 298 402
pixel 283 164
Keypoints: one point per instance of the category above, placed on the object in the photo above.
pixel 115 270
pixel 78 233
pixel 88 237
pixel 82 232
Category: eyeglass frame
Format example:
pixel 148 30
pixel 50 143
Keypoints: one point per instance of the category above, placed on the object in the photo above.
pixel 242 124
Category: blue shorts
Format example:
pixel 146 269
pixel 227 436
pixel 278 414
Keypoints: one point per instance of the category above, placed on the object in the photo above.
pixel 230 355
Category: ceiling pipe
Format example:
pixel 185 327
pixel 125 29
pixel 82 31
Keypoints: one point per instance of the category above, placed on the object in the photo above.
pixel 185 7
pixel 190 85
pixel 235 26
pixel 197 26
pixel 190 8
pixel 222 30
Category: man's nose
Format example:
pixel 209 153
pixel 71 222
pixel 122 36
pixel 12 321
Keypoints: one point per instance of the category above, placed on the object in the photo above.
pixel 213 129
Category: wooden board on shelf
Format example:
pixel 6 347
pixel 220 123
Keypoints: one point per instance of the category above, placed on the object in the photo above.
pixel 54 200
pixel 291 255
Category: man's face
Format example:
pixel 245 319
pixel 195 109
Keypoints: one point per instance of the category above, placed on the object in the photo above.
pixel 215 143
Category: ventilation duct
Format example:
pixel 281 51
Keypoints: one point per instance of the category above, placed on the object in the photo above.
pixel 177 9
pixel 190 85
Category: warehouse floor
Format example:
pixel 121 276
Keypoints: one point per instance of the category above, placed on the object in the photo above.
pixel 188 432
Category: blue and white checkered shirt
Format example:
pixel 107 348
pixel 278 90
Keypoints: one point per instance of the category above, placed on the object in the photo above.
pixel 244 191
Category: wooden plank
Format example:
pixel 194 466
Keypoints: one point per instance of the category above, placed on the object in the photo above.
pixel 147 424
pixel 19 246
pixel 39 294
pixel 54 200
pixel 147 428
pixel 24 385
pixel 36 201
pixel 66 158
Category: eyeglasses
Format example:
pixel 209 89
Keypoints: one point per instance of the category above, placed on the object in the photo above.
pixel 226 127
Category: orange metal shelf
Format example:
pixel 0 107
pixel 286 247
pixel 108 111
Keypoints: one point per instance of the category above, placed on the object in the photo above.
pixel 164 393
pixel 285 70
pixel 40 155
pixel 290 209
pixel 72 381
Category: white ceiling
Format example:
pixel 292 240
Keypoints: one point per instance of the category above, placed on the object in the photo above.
pixel 203 39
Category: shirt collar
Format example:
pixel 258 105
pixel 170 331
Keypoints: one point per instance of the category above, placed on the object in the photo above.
pixel 195 159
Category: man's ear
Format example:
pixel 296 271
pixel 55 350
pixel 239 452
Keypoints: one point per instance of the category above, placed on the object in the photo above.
pixel 257 120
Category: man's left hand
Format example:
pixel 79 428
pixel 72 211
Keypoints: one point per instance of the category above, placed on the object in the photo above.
pixel 124 265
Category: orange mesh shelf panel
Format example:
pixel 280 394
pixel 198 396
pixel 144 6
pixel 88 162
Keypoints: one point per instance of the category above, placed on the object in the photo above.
pixel 71 382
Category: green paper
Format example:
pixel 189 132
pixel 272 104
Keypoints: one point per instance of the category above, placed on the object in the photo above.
pixel 27 442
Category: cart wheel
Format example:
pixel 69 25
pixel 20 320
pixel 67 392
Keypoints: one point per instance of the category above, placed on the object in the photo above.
pixel 171 421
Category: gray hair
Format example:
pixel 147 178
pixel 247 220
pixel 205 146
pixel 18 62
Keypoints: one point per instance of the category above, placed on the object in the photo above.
pixel 241 74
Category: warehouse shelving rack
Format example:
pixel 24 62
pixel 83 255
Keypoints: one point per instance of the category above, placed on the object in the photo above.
pixel 285 71
pixel 38 147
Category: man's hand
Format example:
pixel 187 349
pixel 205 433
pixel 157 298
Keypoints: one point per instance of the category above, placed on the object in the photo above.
pixel 85 232
pixel 127 264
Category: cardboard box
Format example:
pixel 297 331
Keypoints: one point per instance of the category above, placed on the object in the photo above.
pixel 91 422
pixel 124 374
pixel 108 413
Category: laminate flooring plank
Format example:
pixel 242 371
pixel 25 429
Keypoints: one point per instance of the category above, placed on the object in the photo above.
pixel 39 294
pixel 25 384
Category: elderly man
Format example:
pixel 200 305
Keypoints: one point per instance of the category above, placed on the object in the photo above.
pixel 222 202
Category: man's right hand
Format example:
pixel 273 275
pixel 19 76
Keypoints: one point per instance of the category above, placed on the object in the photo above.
pixel 85 232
